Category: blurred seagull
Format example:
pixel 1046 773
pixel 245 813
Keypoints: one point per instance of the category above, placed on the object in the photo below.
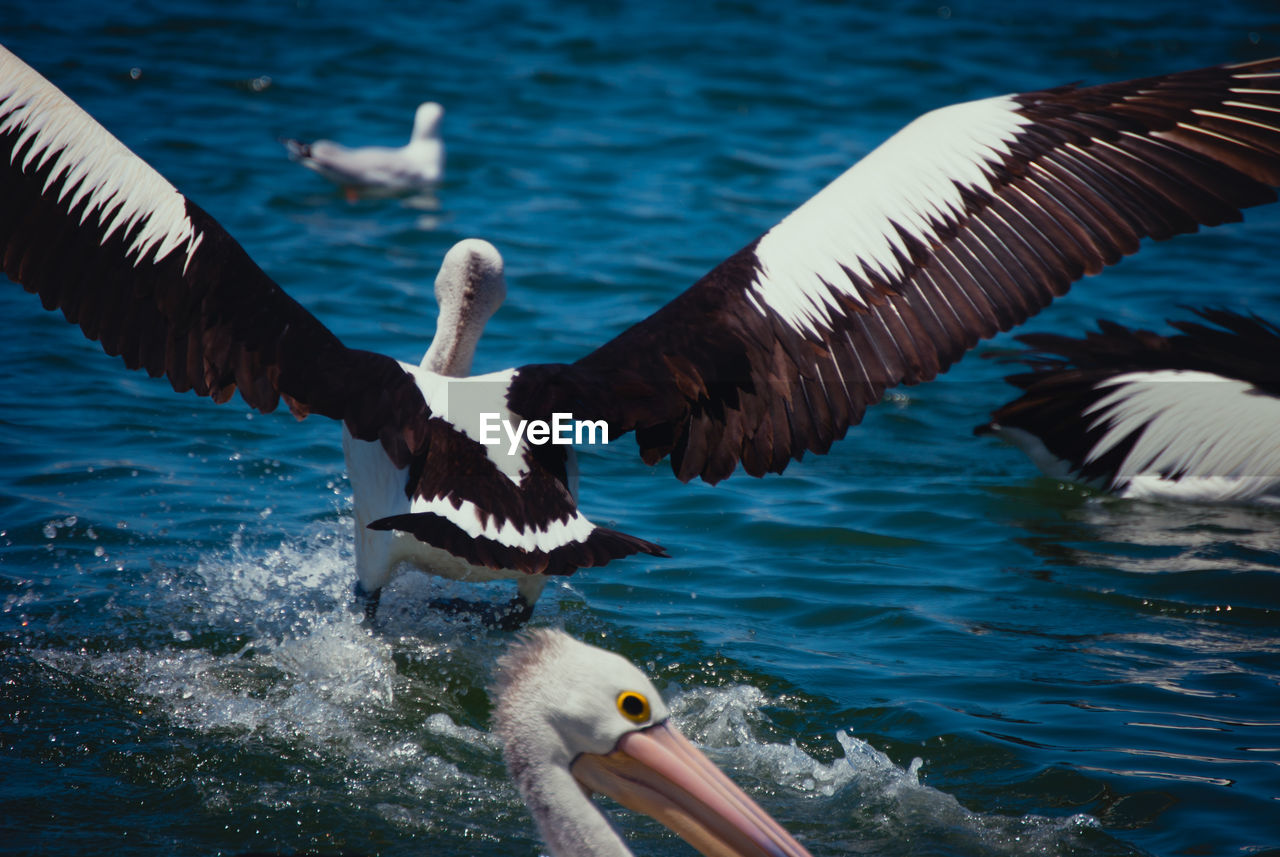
pixel 417 165
pixel 1194 416
pixel 963 224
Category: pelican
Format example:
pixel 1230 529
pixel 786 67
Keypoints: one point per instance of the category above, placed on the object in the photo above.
pixel 1193 416
pixel 961 225
pixel 417 165
pixel 575 720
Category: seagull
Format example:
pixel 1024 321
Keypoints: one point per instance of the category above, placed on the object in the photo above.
pixel 576 720
pixel 1193 416
pixel 961 225
pixel 417 165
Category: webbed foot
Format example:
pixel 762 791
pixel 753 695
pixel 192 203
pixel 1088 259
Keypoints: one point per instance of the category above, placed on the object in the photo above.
pixel 369 600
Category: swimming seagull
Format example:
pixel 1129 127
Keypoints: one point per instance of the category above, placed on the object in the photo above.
pixel 1192 416
pixel 575 720
pixel 417 165
pixel 961 225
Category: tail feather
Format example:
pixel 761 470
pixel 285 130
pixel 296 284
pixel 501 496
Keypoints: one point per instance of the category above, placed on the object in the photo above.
pixel 298 150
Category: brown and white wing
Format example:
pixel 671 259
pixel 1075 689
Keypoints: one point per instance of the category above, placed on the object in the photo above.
pixel 97 233
pixel 964 224
pixel 100 235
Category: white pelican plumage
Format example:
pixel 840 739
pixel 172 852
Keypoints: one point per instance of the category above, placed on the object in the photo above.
pixel 1193 416
pixel 961 225
pixel 417 165
pixel 574 720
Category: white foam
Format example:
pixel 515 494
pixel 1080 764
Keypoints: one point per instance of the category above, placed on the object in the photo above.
pixel 863 792
pixel 384 714
pixel 308 669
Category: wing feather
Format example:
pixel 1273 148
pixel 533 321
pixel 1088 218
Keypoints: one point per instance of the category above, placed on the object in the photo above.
pixel 964 224
pixel 97 233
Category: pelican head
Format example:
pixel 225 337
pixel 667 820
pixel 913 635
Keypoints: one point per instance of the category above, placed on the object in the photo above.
pixel 426 121
pixel 469 289
pixel 576 720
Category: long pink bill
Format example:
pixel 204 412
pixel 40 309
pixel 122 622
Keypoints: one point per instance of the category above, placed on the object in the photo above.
pixel 657 771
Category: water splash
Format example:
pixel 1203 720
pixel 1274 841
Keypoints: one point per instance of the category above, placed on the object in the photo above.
pixel 267 665
pixel 863 795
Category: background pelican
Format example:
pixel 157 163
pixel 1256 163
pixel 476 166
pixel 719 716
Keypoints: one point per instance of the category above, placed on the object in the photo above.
pixel 1192 416
pixel 574 719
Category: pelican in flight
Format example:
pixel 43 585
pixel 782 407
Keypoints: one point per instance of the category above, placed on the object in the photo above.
pixel 961 225
pixel 1192 416
pixel 576 720
pixel 417 165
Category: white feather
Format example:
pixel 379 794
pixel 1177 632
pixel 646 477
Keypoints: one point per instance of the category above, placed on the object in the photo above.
pixel 467 516
pixel 462 401
pixel 913 178
pixel 95 164
pixel 1221 435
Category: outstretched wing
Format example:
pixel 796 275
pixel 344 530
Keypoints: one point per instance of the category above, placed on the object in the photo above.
pixel 99 234
pixel 965 223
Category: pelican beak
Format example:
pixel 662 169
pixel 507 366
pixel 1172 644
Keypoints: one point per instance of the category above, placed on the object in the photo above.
pixel 657 771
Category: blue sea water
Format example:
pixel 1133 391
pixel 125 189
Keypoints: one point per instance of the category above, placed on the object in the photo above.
pixel 913 645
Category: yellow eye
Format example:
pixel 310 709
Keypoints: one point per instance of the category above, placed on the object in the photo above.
pixel 633 706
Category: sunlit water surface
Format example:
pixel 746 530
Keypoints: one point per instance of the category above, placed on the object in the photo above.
pixel 912 645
